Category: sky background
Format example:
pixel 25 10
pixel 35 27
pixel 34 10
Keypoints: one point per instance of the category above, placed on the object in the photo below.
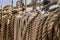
pixel 6 2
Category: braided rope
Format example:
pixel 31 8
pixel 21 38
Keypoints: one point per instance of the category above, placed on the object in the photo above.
pixel 9 29
pixel 3 28
pixel 40 26
pixel 51 23
pixel 29 25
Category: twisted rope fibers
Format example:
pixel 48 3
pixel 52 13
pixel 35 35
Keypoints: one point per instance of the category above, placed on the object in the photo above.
pixel 29 25
pixel 39 27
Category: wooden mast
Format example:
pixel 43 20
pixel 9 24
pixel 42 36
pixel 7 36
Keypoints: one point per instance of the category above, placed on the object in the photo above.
pixel 25 3
pixel 34 4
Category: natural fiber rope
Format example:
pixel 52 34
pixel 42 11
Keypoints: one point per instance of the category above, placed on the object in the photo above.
pixel 50 26
pixel 49 31
pixel 12 27
pixel 28 26
pixel 35 26
pixel 40 26
pixel 4 27
pixel 45 24
pixel 31 27
pixel 9 29
pixel 6 33
pixel 17 27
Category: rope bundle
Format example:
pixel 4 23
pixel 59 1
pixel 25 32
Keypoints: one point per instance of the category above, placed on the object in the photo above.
pixel 48 27
pixel 29 26
pixel 5 27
